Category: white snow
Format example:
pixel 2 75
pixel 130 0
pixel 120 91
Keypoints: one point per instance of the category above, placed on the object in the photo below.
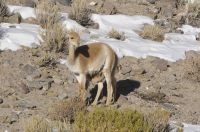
pixel 16 35
pixel 25 12
pixel 172 48
pixel 191 128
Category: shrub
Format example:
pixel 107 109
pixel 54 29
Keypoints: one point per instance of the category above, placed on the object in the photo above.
pixel 55 38
pixel 116 34
pixel 36 124
pixel 111 120
pixel 65 110
pixel 80 12
pixel 46 60
pixel 153 32
pixel 3 10
pixel 47 13
pixel 54 34
pixel 159 120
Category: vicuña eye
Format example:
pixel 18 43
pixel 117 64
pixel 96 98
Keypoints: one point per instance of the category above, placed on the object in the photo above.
pixel 72 38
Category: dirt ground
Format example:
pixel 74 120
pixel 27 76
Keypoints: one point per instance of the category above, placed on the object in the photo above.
pixel 27 89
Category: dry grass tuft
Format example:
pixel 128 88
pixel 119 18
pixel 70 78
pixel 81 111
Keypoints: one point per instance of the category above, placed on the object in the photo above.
pixel 3 10
pixel 80 12
pixel 65 110
pixel 55 38
pixel 159 120
pixel 36 124
pixel 153 32
pixel 116 34
pixel 47 13
pixel 46 60
pixel 54 34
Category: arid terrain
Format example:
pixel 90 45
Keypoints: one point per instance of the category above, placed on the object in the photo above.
pixel 30 85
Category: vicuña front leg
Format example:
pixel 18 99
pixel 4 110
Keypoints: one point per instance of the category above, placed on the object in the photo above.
pixel 100 87
pixel 82 86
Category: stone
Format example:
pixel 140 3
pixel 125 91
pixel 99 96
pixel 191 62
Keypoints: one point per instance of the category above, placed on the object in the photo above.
pixel 28 69
pixel 36 74
pixel 151 1
pixel 62 96
pixel 24 88
pixel 125 70
pixel 13 118
pixel 39 84
pixel 15 18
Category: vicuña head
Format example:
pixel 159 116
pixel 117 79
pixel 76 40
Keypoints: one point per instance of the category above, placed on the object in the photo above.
pixel 93 62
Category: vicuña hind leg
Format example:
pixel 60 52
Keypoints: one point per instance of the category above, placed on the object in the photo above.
pixel 107 75
pixel 82 84
pixel 100 87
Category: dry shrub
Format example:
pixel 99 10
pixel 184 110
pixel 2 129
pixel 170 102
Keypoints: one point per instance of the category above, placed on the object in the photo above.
pixel 4 11
pixel 36 124
pixel 111 120
pixel 65 110
pixel 55 38
pixel 153 32
pixel 194 14
pixel 47 60
pixel 80 12
pixel 54 34
pixel 116 34
pixel 192 66
pixel 47 13
pixel 159 120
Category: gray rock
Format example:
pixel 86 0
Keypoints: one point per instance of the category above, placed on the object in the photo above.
pixel 24 88
pixel 63 96
pixel 125 70
pixel 1 100
pixel 151 1
pixel 44 84
pixel 28 69
pixel 36 74
pixel 13 118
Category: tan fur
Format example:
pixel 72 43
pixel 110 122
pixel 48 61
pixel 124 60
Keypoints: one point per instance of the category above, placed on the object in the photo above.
pixel 93 62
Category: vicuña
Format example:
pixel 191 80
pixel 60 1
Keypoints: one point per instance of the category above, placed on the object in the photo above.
pixel 94 62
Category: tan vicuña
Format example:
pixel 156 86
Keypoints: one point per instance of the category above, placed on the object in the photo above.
pixel 93 62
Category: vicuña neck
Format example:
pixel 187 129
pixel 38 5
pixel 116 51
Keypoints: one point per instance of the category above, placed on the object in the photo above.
pixel 71 56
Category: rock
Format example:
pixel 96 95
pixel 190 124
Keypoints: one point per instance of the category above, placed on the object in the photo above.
pixel 29 3
pixel 63 96
pixel 34 85
pixel 5 106
pixel 30 20
pixel 44 84
pixel 64 2
pixel 15 18
pixel 57 80
pixel 36 74
pixel 13 118
pixel 3 118
pixel 125 70
pixel 151 1
pixel 28 69
pixel 160 64
pixel 1 100
pixel 25 105
pixel 122 99
pixel 24 88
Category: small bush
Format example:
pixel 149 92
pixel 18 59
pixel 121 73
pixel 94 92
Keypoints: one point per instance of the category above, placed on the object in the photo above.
pixel 153 32
pixel 116 34
pixel 65 110
pixel 80 12
pixel 4 11
pixel 111 120
pixel 159 120
pixel 55 38
pixel 47 13
pixel 36 124
pixel 47 60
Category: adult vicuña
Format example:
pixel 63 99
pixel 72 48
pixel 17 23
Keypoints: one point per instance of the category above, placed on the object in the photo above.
pixel 93 62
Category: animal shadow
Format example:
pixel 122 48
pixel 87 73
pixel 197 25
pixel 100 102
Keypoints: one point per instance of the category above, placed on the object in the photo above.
pixel 123 87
